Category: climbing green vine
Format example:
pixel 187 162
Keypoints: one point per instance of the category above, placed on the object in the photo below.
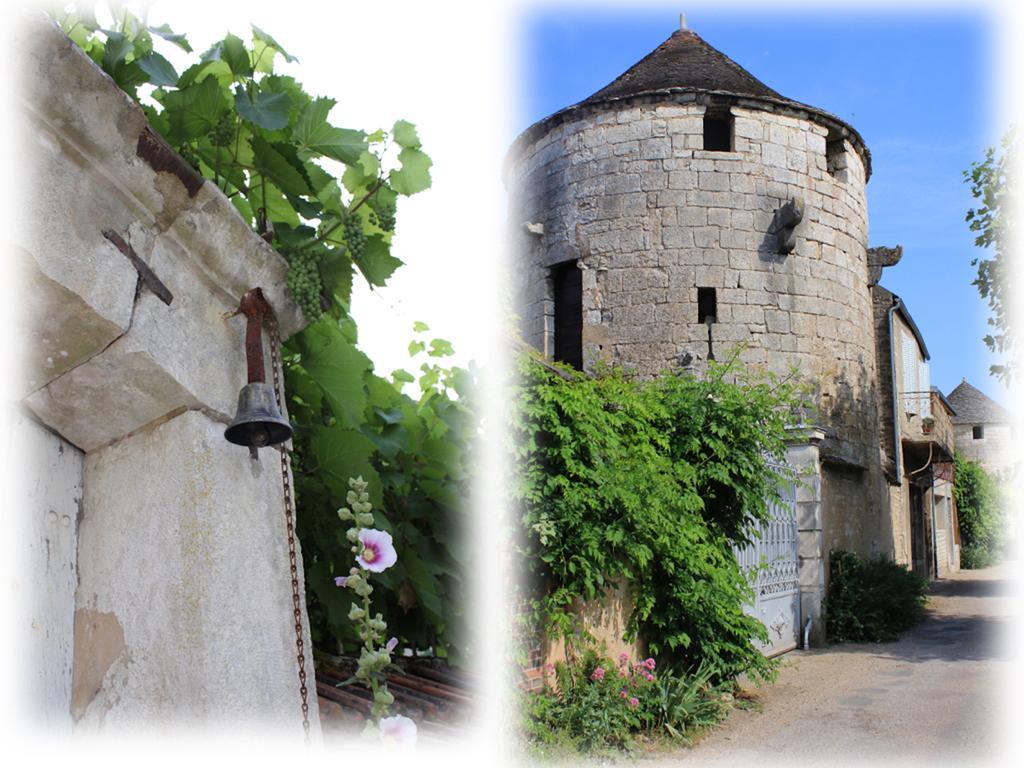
pixel 326 198
pixel 646 486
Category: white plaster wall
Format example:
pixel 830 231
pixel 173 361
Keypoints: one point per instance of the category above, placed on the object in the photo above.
pixel 46 475
pixel 182 545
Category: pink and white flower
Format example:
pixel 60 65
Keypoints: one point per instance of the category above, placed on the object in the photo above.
pixel 398 731
pixel 597 675
pixel 391 644
pixel 649 663
pixel 634 702
pixel 340 581
pixel 378 550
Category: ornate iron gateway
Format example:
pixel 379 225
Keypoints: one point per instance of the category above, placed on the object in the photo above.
pixel 773 569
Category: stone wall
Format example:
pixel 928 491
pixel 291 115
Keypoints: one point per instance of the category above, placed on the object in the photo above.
pixel 631 196
pixel 998 451
pixel 182 610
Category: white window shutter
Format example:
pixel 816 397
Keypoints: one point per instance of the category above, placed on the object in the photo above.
pixel 908 349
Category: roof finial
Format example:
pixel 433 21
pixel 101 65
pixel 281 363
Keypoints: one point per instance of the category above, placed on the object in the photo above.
pixel 682 21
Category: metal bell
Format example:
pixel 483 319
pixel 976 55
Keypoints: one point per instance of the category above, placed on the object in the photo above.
pixel 258 422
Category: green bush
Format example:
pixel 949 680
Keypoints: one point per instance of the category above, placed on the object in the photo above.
pixel 648 484
pixel 599 705
pixel 871 599
pixel 979 507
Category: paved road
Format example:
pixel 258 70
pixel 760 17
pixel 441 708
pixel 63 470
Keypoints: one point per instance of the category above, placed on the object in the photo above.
pixel 936 697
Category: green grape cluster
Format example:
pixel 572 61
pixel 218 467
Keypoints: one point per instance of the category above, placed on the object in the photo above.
pixel 355 238
pixel 189 156
pixel 223 132
pixel 383 215
pixel 304 283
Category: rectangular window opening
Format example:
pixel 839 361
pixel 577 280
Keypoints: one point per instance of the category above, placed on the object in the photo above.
pixel 718 131
pixel 978 433
pixel 835 155
pixel 707 305
pixel 567 284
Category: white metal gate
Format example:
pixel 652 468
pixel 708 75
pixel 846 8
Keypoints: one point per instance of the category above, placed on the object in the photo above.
pixel 773 569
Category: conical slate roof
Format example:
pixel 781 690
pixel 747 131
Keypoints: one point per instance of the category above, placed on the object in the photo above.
pixel 685 61
pixel 973 406
pixel 685 68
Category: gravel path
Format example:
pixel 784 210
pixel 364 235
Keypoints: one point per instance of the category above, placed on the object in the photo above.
pixel 936 697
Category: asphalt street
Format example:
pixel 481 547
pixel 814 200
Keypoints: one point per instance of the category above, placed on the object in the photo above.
pixel 944 694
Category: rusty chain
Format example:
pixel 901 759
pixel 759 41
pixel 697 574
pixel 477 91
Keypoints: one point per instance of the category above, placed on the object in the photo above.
pixel 289 517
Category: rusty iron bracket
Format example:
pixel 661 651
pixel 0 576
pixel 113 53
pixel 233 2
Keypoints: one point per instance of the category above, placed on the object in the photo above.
pixel 162 159
pixel 148 275
pixel 256 309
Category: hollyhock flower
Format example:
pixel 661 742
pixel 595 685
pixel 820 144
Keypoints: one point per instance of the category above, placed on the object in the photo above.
pixel 378 550
pixel 340 581
pixel 634 702
pixel 598 674
pixel 398 730
pixel 390 646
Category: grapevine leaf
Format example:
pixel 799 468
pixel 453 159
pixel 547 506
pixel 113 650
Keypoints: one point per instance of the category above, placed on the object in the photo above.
pixel 159 69
pixel 270 110
pixel 217 68
pixel 261 36
pixel 400 375
pixel 377 264
pixel 168 34
pixel 316 136
pixel 414 175
pixel 194 110
pixel 279 210
pixel 116 50
pixel 128 75
pixel 420 327
pixel 232 51
pixel 338 367
pixel 336 273
pixel 405 135
pixel 269 161
pixel 344 453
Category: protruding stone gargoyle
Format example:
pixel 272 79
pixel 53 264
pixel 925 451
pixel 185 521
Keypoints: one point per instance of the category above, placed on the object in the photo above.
pixel 786 220
pixel 879 258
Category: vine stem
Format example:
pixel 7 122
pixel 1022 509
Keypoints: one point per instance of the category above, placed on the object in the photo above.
pixel 327 233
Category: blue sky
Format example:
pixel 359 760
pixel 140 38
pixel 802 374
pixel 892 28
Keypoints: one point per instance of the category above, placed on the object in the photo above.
pixel 916 85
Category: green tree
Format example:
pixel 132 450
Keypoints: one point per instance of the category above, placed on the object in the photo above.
pixel 991 185
pixel 979 509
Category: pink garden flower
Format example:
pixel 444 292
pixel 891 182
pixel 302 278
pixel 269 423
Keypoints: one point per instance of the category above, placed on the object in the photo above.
pixel 340 581
pixel 623 694
pixel 598 674
pixel 391 644
pixel 378 550
pixel 634 702
pixel 649 663
pixel 623 658
pixel 398 730
pixel 549 668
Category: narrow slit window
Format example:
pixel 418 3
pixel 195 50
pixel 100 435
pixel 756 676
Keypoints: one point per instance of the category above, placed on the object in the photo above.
pixel 707 305
pixel 718 131
pixel 567 282
pixel 978 433
pixel 835 155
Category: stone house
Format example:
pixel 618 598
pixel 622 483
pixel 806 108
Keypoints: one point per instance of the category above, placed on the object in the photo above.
pixel 687 209
pixel 985 431
pixel 917 441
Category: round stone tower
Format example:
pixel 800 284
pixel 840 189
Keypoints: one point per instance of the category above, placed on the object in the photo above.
pixel 687 211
